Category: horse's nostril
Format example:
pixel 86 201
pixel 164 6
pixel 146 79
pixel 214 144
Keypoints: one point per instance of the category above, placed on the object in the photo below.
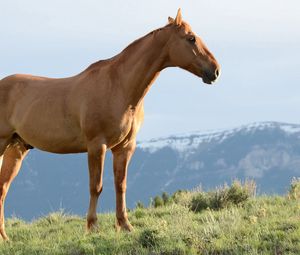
pixel 217 72
pixel 211 75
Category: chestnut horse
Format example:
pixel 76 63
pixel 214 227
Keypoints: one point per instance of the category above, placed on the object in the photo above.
pixel 99 109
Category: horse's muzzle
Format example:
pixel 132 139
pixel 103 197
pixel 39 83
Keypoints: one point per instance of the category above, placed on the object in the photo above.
pixel 211 77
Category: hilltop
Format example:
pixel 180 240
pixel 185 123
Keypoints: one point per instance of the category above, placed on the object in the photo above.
pixel 229 220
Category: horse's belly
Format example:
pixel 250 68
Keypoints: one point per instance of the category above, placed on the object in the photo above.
pixel 55 143
pixel 56 138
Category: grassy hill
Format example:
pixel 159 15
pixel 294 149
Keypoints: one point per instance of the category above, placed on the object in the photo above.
pixel 228 220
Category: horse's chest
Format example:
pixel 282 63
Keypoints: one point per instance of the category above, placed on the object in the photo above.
pixel 119 130
pixel 114 128
pixel 125 124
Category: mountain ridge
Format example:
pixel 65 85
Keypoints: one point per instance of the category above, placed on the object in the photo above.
pixel 214 134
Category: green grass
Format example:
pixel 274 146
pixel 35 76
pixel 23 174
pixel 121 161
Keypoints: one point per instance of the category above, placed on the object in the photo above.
pixel 256 225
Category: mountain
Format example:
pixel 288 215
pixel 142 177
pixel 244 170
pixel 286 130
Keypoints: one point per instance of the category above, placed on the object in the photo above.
pixel 268 152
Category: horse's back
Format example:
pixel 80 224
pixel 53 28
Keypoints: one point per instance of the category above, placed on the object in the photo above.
pixel 11 85
pixel 17 88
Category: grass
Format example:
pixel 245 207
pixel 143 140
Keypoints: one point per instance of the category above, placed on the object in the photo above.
pixel 254 225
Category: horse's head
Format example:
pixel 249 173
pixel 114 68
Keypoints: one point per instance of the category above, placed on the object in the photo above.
pixel 186 50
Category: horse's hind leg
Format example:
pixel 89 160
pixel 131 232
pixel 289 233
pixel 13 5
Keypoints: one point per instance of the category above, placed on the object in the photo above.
pixel 12 160
pixel 3 145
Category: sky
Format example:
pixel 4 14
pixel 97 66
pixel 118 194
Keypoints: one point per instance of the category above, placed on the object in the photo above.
pixel 256 42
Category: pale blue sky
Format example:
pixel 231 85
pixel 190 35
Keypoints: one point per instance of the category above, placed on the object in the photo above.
pixel 257 43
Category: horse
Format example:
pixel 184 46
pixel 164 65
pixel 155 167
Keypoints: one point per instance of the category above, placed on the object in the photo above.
pixel 97 110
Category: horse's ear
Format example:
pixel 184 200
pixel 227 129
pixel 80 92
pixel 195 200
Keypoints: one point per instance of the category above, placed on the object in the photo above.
pixel 178 19
pixel 171 20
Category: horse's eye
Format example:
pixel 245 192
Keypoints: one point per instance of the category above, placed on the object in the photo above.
pixel 192 39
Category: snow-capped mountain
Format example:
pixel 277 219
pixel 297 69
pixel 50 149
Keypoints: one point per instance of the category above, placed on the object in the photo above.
pixel 268 152
pixel 191 141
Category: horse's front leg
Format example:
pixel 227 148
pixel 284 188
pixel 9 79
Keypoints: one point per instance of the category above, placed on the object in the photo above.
pixel 121 158
pixel 96 156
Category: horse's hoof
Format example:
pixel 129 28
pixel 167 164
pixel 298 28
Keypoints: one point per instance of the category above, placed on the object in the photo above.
pixel 92 226
pixel 5 237
pixel 126 226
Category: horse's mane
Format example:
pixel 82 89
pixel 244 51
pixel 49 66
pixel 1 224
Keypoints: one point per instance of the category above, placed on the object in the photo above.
pixel 137 41
pixel 131 47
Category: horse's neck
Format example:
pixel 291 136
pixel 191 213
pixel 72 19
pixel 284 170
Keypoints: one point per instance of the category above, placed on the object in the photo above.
pixel 140 65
